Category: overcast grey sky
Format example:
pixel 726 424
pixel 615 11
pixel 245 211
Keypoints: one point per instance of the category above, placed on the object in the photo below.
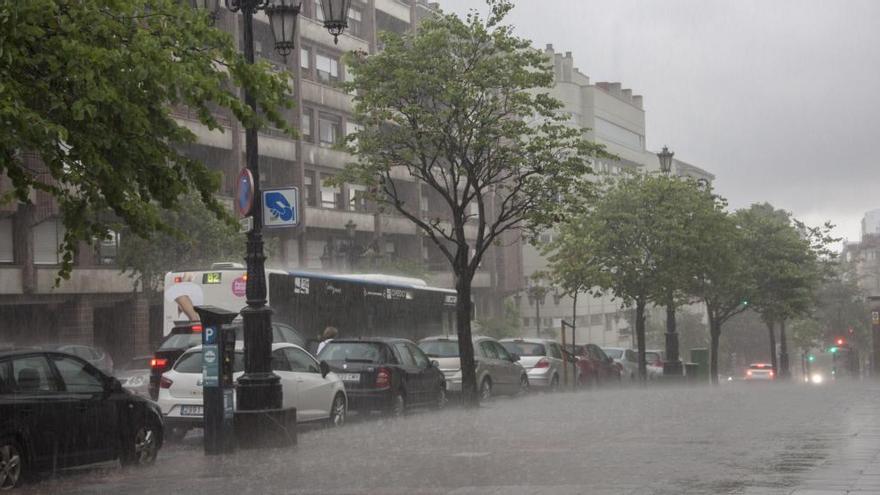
pixel 779 99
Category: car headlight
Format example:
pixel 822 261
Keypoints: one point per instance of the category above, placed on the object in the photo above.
pixel 817 378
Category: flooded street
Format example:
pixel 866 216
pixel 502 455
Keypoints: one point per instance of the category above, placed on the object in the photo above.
pixel 737 438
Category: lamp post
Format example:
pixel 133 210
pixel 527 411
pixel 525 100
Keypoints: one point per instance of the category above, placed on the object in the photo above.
pixel 259 389
pixel 665 157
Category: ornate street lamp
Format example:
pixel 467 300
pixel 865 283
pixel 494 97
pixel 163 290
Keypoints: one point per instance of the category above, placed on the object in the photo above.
pixel 259 390
pixel 335 16
pixel 665 157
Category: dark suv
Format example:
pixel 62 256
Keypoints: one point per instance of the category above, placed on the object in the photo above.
pixel 185 335
pixel 57 410
pixel 385 374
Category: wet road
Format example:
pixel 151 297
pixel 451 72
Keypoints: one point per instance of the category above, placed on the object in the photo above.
pixel 737 438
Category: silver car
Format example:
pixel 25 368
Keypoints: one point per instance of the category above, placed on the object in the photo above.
pixel 541 358
pixel 627 358
pixel 498 371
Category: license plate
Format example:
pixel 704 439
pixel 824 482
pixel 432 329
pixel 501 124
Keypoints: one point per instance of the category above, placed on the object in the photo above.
pixel 350 377
pixel 191 411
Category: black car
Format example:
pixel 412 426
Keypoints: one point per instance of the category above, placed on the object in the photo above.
pixel 385 374
pixel 186 335
pixel 57 410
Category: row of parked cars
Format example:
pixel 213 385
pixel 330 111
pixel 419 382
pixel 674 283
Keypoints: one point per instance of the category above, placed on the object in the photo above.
pixel 61 405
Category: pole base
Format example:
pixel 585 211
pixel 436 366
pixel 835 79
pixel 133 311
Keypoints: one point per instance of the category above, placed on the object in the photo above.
pixel 269 428
pixel 673 368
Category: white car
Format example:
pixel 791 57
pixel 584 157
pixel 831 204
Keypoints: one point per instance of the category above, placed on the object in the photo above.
pixel 541 358
pixel 315 395
pixel 629 359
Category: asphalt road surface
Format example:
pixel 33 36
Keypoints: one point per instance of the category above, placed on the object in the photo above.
pixel 735 438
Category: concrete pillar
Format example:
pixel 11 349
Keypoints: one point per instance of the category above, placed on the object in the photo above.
pixel 140 325
pixel 76 324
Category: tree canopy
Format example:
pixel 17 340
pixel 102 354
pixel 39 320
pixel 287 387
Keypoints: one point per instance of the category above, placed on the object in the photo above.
pixel 88 87
pixel 458 113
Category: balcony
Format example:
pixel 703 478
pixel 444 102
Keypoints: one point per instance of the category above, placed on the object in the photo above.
pixel 327 96
pixel 394 8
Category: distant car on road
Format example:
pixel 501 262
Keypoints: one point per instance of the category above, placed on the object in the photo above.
pixel 541 358
pixel 134 375
pixel 58 410
pixel 94 355
pixel 760 372
pixel 386 374
pixel 498 371
pixel 317 394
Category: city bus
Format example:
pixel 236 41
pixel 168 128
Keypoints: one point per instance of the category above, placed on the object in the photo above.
pixel 358 305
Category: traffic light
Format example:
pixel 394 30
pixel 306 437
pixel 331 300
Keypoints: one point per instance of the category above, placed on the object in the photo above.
pixel 833 350
pixel 811 358
pixel 840 341
pixel 745 302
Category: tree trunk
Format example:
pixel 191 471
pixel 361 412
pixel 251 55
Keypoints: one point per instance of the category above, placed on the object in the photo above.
pixel 784 369
pixel 463 279
pixel 672 363
pixel 772 331
pixel 714 340
pixel 640 339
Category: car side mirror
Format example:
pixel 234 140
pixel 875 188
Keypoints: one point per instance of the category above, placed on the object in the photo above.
pixel 325 369
pixel 514 357
pixel 433 364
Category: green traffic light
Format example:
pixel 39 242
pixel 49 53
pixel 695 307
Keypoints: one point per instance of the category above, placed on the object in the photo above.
pixel 811 358
pixel 833 350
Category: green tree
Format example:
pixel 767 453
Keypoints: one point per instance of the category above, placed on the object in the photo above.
pixel 789 261
pixel 633 239
pixel 88 87
pixel 461 107
pixel 508 324
pixel 198 241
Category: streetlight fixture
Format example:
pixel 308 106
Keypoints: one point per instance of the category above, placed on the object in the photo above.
pixel 259 389
pixel 335 16
pixel 665 157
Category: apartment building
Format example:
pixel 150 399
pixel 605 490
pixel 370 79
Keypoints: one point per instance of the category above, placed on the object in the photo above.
pixel 99 306
pixel 614 117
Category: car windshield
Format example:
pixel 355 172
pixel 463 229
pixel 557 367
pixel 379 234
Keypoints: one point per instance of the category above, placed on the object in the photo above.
pixel 525 348
pixel 280 334
pixel 440 348
pixel 766 367
pixel 191 362
pixel 370 352
pixel 614 353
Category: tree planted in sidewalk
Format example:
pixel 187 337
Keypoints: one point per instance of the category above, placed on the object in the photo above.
pixel 633 240
pixel 461 107
pixel 87 90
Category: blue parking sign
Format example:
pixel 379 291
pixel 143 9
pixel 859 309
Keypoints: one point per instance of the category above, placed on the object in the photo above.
pixel 281 207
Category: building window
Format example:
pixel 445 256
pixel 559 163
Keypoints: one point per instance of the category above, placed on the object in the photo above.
pixel 327 67
pixel 310 193
pixel 329 127
pixel 7 252
pixel 619 134
pixel 47 241
pixel 330 195
pixel 107 248
pixel 357 198
pixel 305 128
pixel 355 22
pixel 319 11
pixel 305 61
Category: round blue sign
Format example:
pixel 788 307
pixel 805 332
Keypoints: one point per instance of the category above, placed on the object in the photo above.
pixel 244 195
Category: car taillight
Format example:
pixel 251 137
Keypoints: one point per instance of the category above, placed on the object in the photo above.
pixel 542 363
pixel 160 363
pixel 383 378
pixel 749 373
pixel 165 383
pixel 196 328
pixel 771 373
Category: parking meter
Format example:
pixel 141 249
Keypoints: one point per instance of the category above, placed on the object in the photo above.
pixel 218 356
